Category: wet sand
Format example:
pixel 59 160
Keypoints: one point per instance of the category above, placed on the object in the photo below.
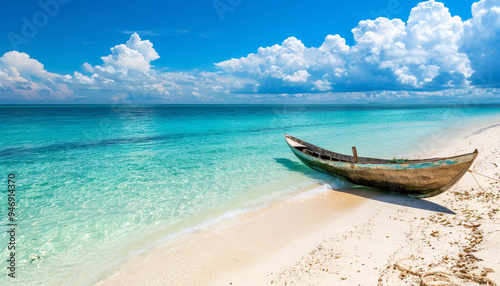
pixel 202 257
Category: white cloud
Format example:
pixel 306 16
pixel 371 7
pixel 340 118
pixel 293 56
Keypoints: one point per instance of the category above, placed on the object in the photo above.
pixel 25 66
pixel 389 54
pixel 145 48
pixel 321 85
pixel 10 75
pixel 480 41
pixel 22 77
pixel 127 62
pixel 83 79
pixel 298 76
pixel 415 55
pixel 291 62
pixel 128 70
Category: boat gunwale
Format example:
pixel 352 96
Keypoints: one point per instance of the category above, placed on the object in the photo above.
pixel 366 160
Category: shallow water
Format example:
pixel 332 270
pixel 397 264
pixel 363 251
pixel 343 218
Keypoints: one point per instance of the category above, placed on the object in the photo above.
pixel 98 183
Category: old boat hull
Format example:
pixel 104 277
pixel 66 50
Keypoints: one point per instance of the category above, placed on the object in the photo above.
pixel 417 178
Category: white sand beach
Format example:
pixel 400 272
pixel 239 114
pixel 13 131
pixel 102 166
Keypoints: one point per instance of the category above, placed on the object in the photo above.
pixel 348 237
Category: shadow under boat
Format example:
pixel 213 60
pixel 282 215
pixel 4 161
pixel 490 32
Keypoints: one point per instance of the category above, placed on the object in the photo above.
pixel 390 198
pixel 366 192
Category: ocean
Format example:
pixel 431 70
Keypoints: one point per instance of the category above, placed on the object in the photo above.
pixel 97 184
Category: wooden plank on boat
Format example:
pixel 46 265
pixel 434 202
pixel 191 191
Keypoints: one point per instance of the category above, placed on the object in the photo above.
pixel 355 153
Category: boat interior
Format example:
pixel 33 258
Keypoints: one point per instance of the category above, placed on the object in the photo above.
pixel 318 152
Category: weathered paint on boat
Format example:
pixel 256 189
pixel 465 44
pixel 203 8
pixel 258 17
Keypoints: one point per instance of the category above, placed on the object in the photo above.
pixel 418 178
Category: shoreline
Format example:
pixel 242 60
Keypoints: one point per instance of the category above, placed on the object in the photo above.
pixel 224 253
pixel 242 241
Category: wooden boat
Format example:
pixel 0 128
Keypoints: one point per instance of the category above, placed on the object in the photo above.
pixel 416 178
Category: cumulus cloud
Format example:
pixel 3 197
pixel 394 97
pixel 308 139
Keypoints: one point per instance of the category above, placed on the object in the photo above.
pixel 389 54
pixel 24 77
pixel 128 70
pixel 127 62
pixel 480 41
pixel 415 55
pixel 291 63
pixel 26 67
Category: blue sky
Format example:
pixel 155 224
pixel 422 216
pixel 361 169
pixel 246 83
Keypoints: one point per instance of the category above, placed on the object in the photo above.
pixel 181 51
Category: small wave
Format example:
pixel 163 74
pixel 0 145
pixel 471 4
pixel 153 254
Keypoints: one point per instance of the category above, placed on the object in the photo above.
pixel 321 189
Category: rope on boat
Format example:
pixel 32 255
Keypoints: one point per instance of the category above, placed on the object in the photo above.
pixel 476 181
pixel 483 176
pixel 474 172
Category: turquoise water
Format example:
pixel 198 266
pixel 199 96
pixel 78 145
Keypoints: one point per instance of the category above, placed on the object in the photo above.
pixel 96 184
